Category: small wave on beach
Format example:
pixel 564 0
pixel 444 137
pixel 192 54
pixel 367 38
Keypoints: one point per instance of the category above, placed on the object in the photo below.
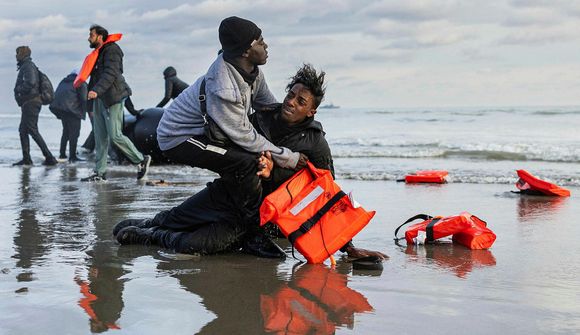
pixel 384 147
pixel 466 177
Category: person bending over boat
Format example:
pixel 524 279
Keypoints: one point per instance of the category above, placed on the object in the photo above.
pixel 173 86
pixel 206 223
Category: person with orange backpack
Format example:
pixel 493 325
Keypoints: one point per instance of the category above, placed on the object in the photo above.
pixel 28 95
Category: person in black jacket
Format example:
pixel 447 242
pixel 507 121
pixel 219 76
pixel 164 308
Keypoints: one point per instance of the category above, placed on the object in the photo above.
pixel 109 90
pixel 206 223
pixel 173 85
pixel 27 95
pixel 70 106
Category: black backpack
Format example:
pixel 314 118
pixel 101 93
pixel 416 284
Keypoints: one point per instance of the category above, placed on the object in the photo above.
pixel 46 90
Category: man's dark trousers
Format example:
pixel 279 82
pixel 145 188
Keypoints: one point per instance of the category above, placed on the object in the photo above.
pixel 71 127
pixel 205 223
pixel 29 126
pixel 236 167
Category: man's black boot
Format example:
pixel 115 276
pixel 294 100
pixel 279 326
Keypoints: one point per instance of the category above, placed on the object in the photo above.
pixel 50 161
pixel 135 235
pixel 258 244
pixel 23 163
pixel 141 223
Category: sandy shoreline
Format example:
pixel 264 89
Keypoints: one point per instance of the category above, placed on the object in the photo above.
pixel 57 234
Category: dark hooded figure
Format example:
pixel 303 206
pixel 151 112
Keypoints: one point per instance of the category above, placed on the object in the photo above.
pixel 173 85
pixel 27 95
pixel 70 106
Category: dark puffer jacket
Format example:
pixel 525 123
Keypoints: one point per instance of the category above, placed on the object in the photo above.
pixel 107 76
pixel 27 82
pixel 69 100
pixel 307 138
pixel 173 85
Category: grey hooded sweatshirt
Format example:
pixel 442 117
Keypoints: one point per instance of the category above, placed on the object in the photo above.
pixel 229 103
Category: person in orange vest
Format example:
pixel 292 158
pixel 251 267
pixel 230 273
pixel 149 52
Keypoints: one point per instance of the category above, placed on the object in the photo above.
pixel 206 223
pixel 109 90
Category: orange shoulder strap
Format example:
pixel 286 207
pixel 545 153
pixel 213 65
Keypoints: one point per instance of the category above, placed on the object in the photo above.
pixel 90 61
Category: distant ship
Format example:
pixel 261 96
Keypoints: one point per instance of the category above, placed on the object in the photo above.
pixel 329 106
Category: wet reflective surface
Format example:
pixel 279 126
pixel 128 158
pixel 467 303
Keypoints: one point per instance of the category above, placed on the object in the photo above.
pixel 61 272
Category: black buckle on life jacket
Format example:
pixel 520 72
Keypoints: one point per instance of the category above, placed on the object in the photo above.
pixel 429 229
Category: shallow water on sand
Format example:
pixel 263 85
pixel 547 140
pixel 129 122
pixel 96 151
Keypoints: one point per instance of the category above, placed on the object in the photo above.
pixel 61 272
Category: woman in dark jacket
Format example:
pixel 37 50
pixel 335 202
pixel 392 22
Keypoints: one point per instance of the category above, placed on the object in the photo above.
pixel 70 106
pixel 173 85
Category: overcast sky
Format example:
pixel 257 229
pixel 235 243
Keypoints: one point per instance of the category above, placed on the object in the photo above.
pixel 380 54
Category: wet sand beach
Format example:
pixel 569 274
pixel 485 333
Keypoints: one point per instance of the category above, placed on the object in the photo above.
pixel 61 272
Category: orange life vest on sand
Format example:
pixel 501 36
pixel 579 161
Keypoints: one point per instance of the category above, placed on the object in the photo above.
pixel 530 184
pixel 315 301
pixel 91 59
pixel 427 176
pixel 314 213
pixel 465 229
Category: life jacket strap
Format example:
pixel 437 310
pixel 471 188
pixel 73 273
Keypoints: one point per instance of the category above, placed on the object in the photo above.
pixel 429 229
pixel 308 224
pixel 423 217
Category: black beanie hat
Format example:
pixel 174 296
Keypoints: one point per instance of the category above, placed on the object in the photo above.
pixel 236 35
pixel 22 52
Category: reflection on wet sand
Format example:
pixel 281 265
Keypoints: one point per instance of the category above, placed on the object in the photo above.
pixel 97 325
pixel 75 229
pixel 229 286
pixel 101 293
pixel 30 241
pixel 314 301
pixel 252 295
pixel 532 207
pixel 454 258
pixel 102 288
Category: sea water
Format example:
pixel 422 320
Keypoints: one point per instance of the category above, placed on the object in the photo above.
pixel 476 145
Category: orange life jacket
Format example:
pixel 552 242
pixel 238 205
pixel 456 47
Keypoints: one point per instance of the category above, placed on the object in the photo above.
pixel 91 59
pixel 530 184
pixel 314 213
pixel 427 176
pixel 465 229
